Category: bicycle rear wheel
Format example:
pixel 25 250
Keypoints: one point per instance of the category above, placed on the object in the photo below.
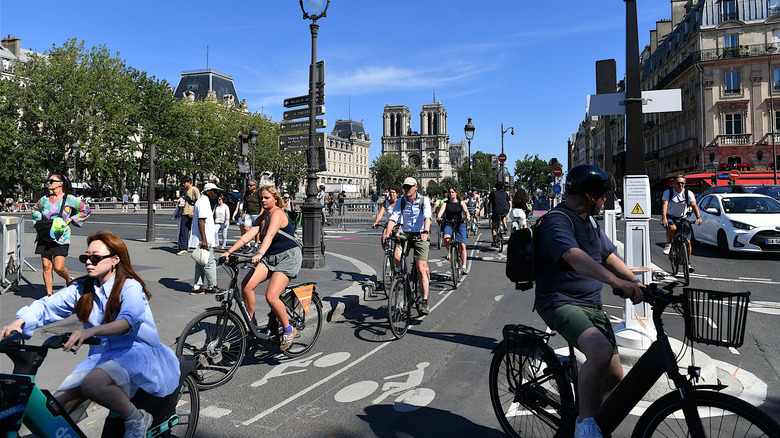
pixel 218 343
pixel 528 402
pixel 721 415
pixel 187 409
pixel 308 325
pixel 387 272
pixel 500 239
pixel 398 307
pixel 455 263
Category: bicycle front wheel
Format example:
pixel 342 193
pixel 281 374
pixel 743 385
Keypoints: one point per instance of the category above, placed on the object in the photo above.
pixel 455 263
pixel 674 258
pixel 398 307
pixel 308 325
pixel 721 415
pixel 685 263
pixel 187 409
pixel 500 240
pixel 528 402
pixel 218 342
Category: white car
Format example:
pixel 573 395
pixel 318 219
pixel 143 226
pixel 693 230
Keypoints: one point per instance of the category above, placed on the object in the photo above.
pixel 618 210
pixel 739 222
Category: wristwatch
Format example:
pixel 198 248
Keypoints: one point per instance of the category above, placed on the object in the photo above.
pixel 424 232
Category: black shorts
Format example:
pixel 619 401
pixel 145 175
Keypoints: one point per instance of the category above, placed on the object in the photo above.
pixel 52 248
pixel 497 217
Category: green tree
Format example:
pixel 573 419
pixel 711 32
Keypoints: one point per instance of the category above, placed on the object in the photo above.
pixel 483 176
pixel 389 169
pixel 448 182
pixel 532 174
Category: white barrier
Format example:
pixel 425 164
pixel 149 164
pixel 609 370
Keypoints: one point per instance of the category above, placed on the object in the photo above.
pixel 12 252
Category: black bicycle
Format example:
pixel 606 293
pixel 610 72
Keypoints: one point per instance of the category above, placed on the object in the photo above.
pixel 532 389
pixel 220 336
pixel 388 262
pixel 679 252
pixel 456 263
pixel 404 291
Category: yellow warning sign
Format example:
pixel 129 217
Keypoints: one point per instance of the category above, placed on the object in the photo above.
pixel 637 210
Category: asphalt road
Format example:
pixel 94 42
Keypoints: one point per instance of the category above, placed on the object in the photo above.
pixel 357 381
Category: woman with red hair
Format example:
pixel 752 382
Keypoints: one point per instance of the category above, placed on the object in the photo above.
pixel 111 302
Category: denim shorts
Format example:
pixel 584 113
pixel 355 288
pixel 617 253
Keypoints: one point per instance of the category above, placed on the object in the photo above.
pixel 287 262
pixel 460 232
pixel 677 221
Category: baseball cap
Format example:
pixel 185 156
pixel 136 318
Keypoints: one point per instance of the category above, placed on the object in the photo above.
pixel 210 186
pixel 410 182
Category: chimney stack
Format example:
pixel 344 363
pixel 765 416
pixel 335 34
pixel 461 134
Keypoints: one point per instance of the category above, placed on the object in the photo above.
pixel 12 44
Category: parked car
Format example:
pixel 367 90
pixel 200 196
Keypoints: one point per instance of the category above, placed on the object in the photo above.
pixel 769 190
pixel 739 222
pixel 736 188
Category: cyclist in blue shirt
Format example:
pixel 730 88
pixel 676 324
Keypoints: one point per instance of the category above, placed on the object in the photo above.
pixel 414 212
pixel 576 259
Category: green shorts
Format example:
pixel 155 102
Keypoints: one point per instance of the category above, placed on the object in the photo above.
pixel 571 321
pixel 420 247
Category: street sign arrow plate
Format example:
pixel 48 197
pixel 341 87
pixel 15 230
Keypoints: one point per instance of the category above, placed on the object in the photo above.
pixel 301 113
pixel 300 142
pixel 301 126
pixel 291 102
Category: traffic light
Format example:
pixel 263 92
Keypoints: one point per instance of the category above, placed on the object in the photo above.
pixel 714 180
pixel 322 165
pixel 244 139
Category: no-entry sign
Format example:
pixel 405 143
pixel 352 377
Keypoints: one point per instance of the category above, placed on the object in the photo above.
pixel 557 171
pixel 734 174
pixel 501 158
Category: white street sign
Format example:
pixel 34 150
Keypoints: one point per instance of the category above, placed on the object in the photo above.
pixel 654 101
pixel 636 197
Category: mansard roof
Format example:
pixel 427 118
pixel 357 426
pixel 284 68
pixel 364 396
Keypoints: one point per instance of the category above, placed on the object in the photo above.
pixel 201 82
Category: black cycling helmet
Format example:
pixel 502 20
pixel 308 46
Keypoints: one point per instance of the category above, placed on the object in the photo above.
pixel 587 179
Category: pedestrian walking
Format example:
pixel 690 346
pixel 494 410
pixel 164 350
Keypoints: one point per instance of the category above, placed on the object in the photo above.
pixel 125 201
pixel 202 237
pixel 136 201
pixel 222 221
pixel 251 210
pixel 52 216
pixel 191 195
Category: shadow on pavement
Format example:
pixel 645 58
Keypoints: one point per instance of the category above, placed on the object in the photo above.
pixel 385 421
pixel 175 284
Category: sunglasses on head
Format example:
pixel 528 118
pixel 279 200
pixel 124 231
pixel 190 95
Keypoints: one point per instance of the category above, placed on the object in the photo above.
pixel 94 258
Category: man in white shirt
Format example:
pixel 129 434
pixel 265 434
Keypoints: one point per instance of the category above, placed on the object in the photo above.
pixel 414 212
pixel 202 235
pixel 674 206
pixel 136 200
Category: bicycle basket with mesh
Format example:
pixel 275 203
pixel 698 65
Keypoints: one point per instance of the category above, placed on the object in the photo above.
pixel 715 317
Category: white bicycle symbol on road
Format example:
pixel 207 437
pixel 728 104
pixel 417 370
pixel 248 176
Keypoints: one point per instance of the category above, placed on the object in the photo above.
pixel 410 398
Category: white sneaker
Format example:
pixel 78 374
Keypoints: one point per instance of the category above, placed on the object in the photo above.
pixel 587 429
pixel 287 339
pixel 667 248
pixel 138 428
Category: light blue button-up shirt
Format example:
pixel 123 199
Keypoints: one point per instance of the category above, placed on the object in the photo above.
pixel 150 364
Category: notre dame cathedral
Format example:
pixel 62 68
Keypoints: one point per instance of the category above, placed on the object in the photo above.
pixel 429 150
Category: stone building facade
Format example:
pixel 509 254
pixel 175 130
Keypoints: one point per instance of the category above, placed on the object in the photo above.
pixel 720 54
pixel 347 159
pixel 429 150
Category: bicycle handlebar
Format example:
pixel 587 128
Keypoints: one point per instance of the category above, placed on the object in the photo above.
pixel 653 295
pixel 15 341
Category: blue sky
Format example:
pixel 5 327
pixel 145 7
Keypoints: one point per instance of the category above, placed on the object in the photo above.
pixel 525 64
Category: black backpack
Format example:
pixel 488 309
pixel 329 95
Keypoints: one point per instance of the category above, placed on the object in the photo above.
pixel 522 252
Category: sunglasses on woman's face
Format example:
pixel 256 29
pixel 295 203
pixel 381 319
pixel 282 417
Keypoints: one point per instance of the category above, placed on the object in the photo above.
pixel 52 181
pixel 94 258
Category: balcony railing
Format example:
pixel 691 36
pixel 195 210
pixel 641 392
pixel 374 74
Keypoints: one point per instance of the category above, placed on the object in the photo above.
pixel 732 140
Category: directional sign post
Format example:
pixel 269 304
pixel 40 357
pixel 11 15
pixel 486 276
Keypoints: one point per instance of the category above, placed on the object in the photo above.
pixel 291 102
pixel 300 142
pixel 287 126
pixel 303 113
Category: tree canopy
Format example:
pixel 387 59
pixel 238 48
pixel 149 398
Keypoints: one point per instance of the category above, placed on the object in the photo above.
pixel 533 174
pixel 388 170
pixel 114 113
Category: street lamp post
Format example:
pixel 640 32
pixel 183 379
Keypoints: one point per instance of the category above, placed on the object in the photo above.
pixel 312 255
pixel 74 149
pixel 504 131
pixel 771 50
pixel 469 131
pixel 150 194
